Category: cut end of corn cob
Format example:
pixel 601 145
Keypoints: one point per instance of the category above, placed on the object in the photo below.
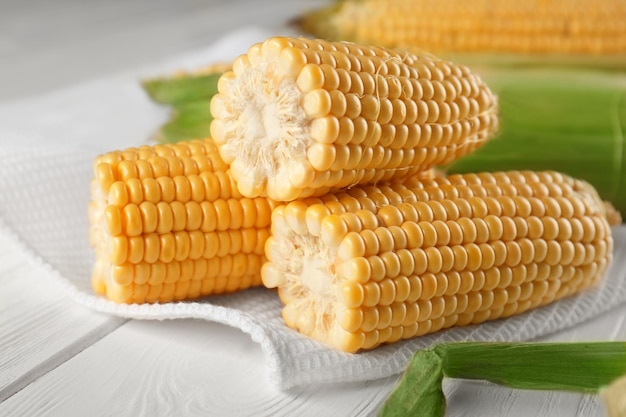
pixel 300 117
pixel 167 223
pixel 449 26
pixel 377 264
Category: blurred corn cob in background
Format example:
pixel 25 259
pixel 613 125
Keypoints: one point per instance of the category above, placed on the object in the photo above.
pixel 558 68
pixel 451 26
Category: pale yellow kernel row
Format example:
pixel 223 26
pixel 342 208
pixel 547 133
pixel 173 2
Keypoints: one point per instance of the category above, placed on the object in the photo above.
pixel 232 265
pixel 134 220
pixel 207 186
pixel 181 159
pixel 385 286
pixel 403 131
pixel 166 247
pixel 462 231
pixel 129 283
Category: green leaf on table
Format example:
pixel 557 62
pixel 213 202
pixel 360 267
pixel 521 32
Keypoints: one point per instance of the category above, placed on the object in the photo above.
pixel 580 367
pixel 420 392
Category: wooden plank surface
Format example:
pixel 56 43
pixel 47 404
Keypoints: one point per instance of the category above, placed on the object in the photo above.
pixel 197 368
pixel 178 368
pixel 40 328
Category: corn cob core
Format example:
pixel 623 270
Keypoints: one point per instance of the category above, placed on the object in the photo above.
pixel 167 223
pixel 444 26
pixel 378 264
pixel 300 117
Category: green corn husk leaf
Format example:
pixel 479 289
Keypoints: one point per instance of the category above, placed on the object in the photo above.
pixel 580 367
pixel 188 121
pixel 182 89
pixel 568 120
pixel 419 392
pixel 189 97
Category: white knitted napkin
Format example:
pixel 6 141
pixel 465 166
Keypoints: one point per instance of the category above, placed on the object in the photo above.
pixel 47 147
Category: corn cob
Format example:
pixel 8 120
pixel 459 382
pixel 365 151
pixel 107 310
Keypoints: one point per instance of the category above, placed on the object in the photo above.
pixel 377 264
pixel 448 26
pixel 167 223
pixel 300 117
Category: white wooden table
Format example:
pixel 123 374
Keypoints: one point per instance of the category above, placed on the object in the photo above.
pixel 60 359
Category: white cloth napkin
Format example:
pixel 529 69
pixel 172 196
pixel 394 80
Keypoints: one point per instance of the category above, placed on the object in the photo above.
pixel 47 147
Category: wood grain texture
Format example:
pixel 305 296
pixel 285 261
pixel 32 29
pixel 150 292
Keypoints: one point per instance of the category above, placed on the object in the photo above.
pixel 196 368
pixel 183 368
pixel 40 327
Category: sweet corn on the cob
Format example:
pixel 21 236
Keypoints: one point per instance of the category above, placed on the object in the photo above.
pixel 167 223
pixel 377 264
pixel 444 26
pixel 300 117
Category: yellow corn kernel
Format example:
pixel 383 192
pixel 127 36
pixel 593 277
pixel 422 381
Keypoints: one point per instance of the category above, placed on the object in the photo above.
pixel 455 258
pixel 168 223
pixel 332 115
pixel 452 26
